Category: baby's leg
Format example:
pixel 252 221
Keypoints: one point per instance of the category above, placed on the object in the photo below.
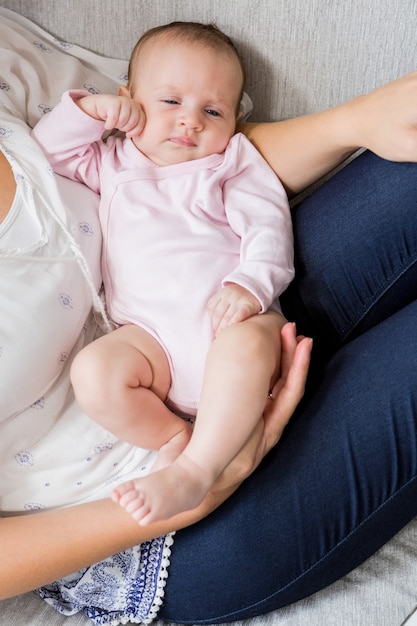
pixel 121 381
pixel 241 367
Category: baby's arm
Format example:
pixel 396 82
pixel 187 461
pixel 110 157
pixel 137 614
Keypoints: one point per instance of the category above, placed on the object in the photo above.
pixel 257 209
pixel 71 134
pixel 231 304
pixel 119 112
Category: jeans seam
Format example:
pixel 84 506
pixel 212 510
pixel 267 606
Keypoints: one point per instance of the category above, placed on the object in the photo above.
pixel 389 283
pixel 235 614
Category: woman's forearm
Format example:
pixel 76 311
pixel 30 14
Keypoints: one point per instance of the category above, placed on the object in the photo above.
pixel 304 149
pixel 40 548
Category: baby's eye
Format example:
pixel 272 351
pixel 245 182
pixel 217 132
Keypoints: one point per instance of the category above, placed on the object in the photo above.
pixel 170 101
pixel 212 112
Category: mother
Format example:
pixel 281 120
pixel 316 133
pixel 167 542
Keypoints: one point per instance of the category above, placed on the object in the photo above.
pixel 342 480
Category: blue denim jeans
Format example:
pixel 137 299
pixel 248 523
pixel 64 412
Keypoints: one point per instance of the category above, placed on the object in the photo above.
pixel 342 480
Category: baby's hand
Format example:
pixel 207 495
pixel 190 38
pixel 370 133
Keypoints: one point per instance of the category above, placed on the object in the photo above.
pixel 119 112
pixel 232 304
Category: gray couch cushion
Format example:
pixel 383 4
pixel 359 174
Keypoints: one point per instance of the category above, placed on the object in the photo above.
pixel 301 55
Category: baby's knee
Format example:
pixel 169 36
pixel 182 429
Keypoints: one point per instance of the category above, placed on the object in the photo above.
pixel 88 376
pixel 254 343
pixel 245 340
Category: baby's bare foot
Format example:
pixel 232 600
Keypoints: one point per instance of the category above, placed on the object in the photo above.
pixel 179 487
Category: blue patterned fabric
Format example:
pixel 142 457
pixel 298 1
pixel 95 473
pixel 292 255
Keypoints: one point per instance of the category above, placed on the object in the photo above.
pixel 127 587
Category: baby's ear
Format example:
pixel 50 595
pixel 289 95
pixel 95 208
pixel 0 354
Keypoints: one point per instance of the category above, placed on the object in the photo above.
pixel 123 91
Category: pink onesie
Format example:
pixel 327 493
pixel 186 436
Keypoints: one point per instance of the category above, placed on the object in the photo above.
pixel 174 235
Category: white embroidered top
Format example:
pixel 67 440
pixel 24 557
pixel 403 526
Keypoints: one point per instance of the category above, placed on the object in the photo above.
pixel 46 292
pixel 51 454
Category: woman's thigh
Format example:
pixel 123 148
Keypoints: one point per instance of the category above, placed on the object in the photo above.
pixel 356 251
pixel 338 485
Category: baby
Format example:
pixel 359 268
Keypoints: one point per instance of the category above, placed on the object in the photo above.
pixel 197 246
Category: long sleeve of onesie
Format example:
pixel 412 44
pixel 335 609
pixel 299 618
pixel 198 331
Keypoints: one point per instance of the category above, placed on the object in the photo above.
pixel 71 142
pixel 257 210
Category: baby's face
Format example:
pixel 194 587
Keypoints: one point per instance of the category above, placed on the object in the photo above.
pixel 190 95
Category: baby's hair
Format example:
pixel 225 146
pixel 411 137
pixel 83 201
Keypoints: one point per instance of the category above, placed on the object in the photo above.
pixel 208 35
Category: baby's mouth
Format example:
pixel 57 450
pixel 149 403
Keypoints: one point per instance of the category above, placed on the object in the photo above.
pixel 185 141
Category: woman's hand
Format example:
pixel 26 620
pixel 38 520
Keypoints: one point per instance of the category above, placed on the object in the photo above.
pixel 285 396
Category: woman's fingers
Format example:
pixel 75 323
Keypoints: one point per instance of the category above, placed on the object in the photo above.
pixel 289 388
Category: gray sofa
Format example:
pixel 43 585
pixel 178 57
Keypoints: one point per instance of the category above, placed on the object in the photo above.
pixel 302 56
